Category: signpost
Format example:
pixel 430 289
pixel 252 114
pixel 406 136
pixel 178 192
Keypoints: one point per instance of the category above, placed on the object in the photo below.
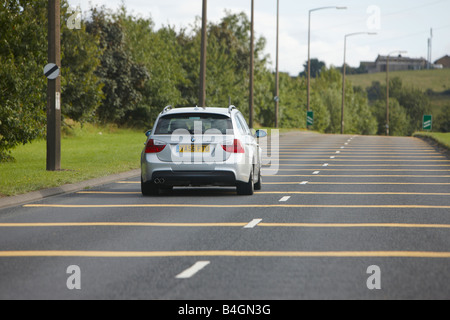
pixel 309 118
pixel 427 122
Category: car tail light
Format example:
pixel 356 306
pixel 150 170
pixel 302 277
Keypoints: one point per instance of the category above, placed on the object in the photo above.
pixel 235 147
pixel 154 146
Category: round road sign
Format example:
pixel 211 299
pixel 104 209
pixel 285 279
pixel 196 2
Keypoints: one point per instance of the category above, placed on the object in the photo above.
pixel 51 71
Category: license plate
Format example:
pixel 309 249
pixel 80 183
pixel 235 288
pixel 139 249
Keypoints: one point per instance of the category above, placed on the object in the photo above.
pixel 193 149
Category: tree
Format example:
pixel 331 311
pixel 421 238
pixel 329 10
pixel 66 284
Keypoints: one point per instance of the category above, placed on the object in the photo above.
pixel 316 68
pixel 442 122
pixel 23 53
pixel 398 118
pixel 81 89
pixel 123 79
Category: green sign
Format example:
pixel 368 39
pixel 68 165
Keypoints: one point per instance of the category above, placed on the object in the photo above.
pixel 427 122
pixel 310 118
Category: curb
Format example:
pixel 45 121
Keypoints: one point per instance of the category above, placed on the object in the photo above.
pixel 69 188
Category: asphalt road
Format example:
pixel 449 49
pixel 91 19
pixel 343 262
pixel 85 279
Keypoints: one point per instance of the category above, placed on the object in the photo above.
pixel 338 205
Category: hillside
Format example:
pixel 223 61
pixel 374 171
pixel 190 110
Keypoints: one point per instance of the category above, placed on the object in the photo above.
pixel 436 80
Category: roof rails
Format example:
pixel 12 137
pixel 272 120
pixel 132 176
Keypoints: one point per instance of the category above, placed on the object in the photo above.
pixel 230 108
pixel 166 109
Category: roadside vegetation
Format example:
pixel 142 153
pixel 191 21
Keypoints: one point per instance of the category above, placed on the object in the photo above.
pixel 87 153
pixel 443 139
pixel 120 69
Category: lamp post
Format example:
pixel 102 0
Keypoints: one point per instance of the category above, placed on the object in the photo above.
pixel 309 51
pixel 387 88
pixel 344 71
pixel 202 93
pixel 252 66
pixel 277 74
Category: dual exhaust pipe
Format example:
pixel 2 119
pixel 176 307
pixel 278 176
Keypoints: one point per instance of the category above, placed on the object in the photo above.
pixel 159 181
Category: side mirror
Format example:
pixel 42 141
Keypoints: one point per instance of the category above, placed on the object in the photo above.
pixel 148 133
pixel 261 134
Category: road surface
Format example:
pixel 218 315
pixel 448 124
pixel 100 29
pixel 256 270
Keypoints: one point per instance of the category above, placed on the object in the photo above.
pixel 345 217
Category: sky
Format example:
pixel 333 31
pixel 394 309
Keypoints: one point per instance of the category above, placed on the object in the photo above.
pixel 399 25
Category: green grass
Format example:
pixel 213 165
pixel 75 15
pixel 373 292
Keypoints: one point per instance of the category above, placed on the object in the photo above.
pixel 441 138
pixel 436 80
pixel 86 153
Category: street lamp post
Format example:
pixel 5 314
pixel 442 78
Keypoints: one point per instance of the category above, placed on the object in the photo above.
pixel 252 66
pixel 202 92
pixel 277 75
pixel 387 88
pixel 308 99
pixel 344 71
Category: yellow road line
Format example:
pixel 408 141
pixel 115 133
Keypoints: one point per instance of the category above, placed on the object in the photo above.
pixel 237 225
pixel 358 176
pixel 353 225
pixel 249 206
pixel 294 192
pixel 120 224
pixel 273 254
pixel 108 192
pixel 355 160
pixel 366 170
pixel 362 183
pixel 360 165
pixel 367 152
pixel 355 193
pixel 354 156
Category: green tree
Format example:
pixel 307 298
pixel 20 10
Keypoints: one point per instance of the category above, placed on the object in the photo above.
pixel 23 53
pixel 122 77
pixel 442 122
pixel 81 89
pixel 398 118
pixel 316 68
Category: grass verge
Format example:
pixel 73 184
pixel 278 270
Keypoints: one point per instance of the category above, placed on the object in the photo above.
pixel 443 139
pixel 86 153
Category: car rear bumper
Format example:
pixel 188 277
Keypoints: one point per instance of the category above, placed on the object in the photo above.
pixel 194 178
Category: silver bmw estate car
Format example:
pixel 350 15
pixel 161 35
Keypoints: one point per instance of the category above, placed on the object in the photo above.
pixel 201 147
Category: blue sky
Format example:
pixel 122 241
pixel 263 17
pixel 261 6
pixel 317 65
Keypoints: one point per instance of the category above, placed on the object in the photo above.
pixel 400 25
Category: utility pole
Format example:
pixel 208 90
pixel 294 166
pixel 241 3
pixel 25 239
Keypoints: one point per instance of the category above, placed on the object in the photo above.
pixel 277 75
pixel 387 90
pixel 252 66
pixel 54 88
pixel 202 93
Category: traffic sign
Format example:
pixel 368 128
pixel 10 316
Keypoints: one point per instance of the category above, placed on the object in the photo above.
pixel 427 122
pixel 310 118
pixel 51 71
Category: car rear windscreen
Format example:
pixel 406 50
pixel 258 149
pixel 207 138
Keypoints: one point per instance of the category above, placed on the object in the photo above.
pixel 194 123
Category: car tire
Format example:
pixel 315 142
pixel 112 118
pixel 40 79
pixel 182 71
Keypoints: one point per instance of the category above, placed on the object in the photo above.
pixel 258 185
pixel 246 189
pixel 149 189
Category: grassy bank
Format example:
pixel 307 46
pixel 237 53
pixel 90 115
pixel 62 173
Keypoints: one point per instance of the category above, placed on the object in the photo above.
pixel 87 153
pixel 442 139
pixel 436 80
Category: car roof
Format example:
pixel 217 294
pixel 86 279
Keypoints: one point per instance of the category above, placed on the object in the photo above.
pixel 222 111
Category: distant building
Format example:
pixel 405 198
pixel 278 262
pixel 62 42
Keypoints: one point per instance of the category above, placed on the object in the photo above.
pixel 398 63
pixel 444 62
